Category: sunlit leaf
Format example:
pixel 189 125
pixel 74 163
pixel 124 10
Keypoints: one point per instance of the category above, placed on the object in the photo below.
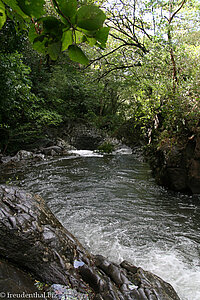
pixel 88 33
pixel 78 37
pixel 2 14
pixel 91 41
pixel 32 33
pixel 66 39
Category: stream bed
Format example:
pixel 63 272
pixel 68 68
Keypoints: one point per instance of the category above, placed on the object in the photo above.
pixel 113 206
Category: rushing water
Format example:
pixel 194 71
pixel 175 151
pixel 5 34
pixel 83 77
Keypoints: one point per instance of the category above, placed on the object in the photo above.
pixel 113 206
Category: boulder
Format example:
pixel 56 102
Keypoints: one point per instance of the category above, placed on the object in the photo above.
pixel 34 240
pixel 53 150
pixel 177 165
pixel 21 156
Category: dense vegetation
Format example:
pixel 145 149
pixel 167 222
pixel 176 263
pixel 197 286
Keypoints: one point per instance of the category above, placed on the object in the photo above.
pixel 55 69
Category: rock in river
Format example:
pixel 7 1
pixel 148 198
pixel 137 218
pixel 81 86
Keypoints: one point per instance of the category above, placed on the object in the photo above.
pixel 34 240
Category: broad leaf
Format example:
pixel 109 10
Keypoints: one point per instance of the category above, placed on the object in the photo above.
pixel 15 7
pixel 67 7
pixel 39 38
pixel 32 34
pixel 66 39
pixel 32 8
pixel 52 26
pixel 79 37
pixel 65 21
pixel 102 36
pixel 54 50
pixel 91 41
pixel 90 17
pixel 76 54
pixel 2 14
pixel 41 46
pixel 88 33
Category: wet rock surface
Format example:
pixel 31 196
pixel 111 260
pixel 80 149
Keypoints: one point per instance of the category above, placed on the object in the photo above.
pixel 21 156
pixel 13 280
pixel 63 292
pixel 177 165
pixel 32 238
pixel 79 135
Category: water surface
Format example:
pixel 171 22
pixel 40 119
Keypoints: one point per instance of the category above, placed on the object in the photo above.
pixel 114 207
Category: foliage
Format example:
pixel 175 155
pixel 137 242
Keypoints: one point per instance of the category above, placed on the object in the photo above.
pixel 57 25
pixel 23 114
pixel 70 93
pixel 106 148
pixel 160 85
pixel 147 78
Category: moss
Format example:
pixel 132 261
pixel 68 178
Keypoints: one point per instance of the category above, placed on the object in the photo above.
pixel 106 148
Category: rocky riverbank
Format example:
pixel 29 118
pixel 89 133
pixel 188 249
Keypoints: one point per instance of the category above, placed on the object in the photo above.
pixel 33 241
pixel 176 163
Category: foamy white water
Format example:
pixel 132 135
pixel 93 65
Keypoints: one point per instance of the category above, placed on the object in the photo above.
pixel 113 206
pixel 85 153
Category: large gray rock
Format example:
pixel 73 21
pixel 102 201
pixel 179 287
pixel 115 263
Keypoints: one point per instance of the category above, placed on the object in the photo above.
pixel 177 166
pixel 32 238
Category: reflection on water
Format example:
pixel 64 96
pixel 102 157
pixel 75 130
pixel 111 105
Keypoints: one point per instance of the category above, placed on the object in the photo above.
pixel 114 207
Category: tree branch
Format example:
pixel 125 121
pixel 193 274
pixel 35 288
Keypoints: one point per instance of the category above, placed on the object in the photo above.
pixel 173 15
pixel 118 68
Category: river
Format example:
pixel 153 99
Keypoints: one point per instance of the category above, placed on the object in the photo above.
pixel 114 207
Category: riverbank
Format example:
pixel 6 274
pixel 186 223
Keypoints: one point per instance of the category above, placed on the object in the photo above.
pixel 175 162
pixel 35 241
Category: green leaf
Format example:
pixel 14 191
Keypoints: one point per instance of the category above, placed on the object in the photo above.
pixel 102 36
pixel 79 37
pixel 76 54
pixel 91 41
pixel 15 7
pixel 64 21
pixel 51 25
pixel 32 8
pixel 40 46
pixel 67 7
pixel 54 50
pixel 88 33
pixel 66 39
pixel 32 34
pixel 39 38
pixel 2 14
pixel 90 17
